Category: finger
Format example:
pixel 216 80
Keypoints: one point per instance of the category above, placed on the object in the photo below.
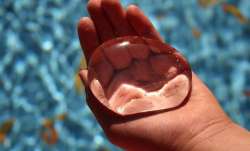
pixel 92 102
pixel 103 27
pixel 87 36
pixel 83 74
pixel 141 24
pixel 117 16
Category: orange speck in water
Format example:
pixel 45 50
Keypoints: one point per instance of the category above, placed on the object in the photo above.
pixel 48 123
pixel 207 3
pixel 83 64
pixel 49 135
pixel 196 32
pixel 61 116
pixel 5 128
pixel 78 83
pixel 247 93
pixel 2 137
pixel 228 8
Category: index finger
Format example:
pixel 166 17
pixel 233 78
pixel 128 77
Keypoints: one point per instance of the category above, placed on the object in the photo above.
pixel 88 36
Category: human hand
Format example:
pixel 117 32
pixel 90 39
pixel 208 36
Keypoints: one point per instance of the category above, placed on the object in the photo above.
pixel 179 129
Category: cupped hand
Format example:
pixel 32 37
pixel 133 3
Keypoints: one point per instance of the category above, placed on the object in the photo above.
pixel 179 129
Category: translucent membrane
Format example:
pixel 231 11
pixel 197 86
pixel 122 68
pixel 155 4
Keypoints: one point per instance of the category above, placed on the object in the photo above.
pixel 131 75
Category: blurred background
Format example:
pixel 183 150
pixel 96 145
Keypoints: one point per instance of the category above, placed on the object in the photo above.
pixel 42 103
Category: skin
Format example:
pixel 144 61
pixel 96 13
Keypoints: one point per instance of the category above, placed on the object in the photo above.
pixel 198 125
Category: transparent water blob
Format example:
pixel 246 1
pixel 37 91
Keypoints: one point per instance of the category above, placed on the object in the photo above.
pixel 132 75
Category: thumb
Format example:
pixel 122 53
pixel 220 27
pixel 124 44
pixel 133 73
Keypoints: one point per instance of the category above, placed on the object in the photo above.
pixel 101 113
pixel 83 74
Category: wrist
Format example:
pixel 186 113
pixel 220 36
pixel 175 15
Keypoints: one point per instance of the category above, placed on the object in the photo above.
pixel 229 137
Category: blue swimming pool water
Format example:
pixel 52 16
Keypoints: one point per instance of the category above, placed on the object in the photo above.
pixel 40 56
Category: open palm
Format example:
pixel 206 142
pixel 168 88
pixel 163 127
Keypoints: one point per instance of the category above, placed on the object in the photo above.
pixel 162 131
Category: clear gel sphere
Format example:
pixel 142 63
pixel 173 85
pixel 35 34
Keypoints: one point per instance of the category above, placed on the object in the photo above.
pixel 131 75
